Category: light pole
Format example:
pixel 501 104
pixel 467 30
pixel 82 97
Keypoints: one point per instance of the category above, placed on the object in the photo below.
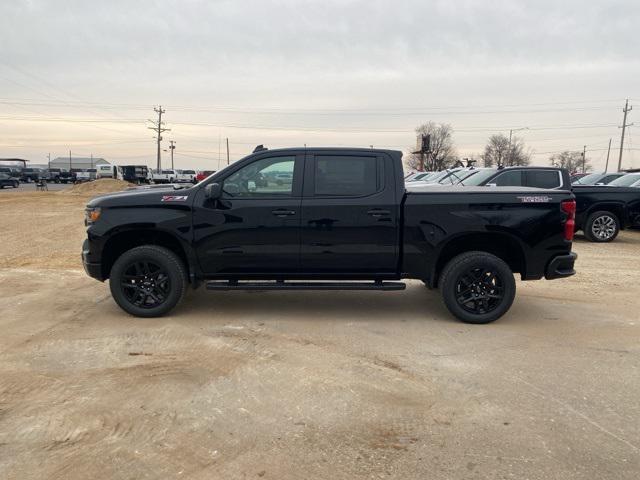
pixel 510 134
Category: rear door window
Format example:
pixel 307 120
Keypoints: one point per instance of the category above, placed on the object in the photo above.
pixel 542 179
pixel 345 176
pixel 511 178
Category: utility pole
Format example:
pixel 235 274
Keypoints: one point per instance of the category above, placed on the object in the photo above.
pixel 158 128
pixel 624 126
pixel 227 150
pixel 172 147
pixel 584 157
pixel 92 160
pixel 70 160
pixel 49 160
pixel 606 167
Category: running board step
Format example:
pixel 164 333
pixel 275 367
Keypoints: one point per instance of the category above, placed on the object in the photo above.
pixel 280 285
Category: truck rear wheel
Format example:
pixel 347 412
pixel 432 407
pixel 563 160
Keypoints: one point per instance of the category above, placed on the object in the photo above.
pixel 602 227
pixel 477 287
pixel 148 281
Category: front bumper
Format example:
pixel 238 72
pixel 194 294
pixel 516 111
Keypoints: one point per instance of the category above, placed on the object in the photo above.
pixel 561 266
pixel 92 269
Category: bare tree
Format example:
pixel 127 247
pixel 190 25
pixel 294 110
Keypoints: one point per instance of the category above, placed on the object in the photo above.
pixel 495 151
pixel 572 161
pixel 443 153
pixel 500 152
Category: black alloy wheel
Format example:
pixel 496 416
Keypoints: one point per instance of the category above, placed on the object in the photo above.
pixel 148 281
pixel 145 284
pixel 479 290
pixel 477 287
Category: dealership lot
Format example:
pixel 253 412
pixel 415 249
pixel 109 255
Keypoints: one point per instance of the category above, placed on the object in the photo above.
pixel 314 384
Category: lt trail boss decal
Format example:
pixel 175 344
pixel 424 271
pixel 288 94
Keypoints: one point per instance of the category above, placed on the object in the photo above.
pixel 174 198
pixel 535 199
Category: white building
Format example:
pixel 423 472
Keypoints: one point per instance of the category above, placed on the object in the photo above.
pixel 77 162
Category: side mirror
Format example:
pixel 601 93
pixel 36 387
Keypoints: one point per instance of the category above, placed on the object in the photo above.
pixel 213 191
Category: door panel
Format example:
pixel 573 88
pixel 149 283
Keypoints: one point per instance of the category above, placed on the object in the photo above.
pixel 349 215
pixel 255 226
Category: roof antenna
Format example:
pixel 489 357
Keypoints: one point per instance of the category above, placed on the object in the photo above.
pixel 259 148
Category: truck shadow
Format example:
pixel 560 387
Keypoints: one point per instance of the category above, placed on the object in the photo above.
pixel 415 303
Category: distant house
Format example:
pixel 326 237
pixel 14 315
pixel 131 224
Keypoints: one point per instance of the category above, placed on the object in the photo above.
pixel 77 162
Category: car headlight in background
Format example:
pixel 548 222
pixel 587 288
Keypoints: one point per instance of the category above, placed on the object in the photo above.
pixel 91 215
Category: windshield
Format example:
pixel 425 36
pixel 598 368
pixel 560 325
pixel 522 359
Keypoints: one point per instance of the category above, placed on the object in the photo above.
pixel 189 172
pixel 421 176
pixel 479 178
pixel 626 180
pixel 588 179
pixel 457 177
pixel 435 177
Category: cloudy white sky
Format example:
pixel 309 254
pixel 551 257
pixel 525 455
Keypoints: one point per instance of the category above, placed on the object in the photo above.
pixel 85 75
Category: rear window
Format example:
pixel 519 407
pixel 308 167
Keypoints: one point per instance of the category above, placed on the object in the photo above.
pixel 345 176
pixel 542 179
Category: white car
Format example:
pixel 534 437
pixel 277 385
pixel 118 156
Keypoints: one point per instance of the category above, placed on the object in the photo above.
pixel 163 176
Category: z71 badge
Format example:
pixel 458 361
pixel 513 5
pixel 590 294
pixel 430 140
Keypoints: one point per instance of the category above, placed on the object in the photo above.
pixel 174 198
pixel 535 199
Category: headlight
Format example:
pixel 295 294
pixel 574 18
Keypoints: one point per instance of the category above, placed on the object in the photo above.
pixel 91 215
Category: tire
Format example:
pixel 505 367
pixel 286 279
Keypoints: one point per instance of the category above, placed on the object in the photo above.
pixel 601 227
pixel 16 184
pixel 136 288
pixel 496 288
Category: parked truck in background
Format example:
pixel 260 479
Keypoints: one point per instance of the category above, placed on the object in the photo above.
pixel 346 221
pixel 185 176
pixel 162 176
pixel 134 173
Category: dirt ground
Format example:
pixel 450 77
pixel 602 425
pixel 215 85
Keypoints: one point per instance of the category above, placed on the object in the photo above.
pixel 290 385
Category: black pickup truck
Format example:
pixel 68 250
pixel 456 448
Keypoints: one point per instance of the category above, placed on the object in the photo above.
pixel 343 221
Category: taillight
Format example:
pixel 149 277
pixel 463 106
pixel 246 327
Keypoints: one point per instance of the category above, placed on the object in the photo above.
pixel 569 207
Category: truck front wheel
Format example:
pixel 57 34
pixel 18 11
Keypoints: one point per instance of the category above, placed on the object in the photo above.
pixel 477 287
pixel 148 281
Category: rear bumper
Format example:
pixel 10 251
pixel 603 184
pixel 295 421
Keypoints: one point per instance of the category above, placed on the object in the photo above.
pixel 92 269
pixel 561 266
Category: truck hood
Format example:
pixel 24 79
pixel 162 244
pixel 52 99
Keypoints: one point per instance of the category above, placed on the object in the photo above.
pixel 144 197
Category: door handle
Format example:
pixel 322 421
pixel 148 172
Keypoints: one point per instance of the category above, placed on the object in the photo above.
pixel 378 212
pixel 283 213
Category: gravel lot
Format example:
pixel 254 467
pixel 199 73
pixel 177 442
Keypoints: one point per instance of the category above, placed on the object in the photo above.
pixel 290 385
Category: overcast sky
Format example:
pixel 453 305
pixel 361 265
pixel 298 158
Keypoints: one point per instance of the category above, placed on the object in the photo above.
pixel 85 75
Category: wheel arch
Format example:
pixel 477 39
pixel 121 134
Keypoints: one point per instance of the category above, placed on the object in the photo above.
pixel 616 208
pixel 129 238
pixel 502 245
